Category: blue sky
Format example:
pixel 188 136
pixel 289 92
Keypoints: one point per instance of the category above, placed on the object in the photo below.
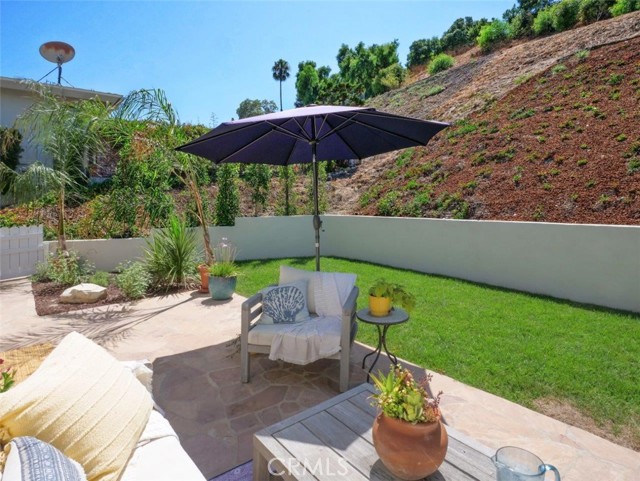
pixel 210 55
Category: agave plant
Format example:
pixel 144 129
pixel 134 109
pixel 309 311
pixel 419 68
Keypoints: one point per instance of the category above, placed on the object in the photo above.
pixel 171 255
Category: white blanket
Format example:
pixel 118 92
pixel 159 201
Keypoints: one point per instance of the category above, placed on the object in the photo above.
pixel 317 338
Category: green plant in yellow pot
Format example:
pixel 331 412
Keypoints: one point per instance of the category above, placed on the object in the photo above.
pixel 383 295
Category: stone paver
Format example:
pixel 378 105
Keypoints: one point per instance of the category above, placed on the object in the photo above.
pixel 196 382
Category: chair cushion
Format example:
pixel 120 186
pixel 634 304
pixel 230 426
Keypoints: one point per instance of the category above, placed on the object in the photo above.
pixel 290 274
pixel 82 401
pixel 331 292
pixel 285 304
pixel 33 460
pixel 300 343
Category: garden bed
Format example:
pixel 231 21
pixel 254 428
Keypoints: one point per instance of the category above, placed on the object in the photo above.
pixel 47 295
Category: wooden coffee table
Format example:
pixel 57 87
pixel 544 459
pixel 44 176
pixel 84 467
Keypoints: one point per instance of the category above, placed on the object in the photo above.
pixel 333 441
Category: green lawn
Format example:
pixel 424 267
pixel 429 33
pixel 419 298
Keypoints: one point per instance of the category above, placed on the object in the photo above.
pixel 518 346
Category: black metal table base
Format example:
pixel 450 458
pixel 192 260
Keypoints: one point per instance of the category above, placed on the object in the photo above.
pixel 382 342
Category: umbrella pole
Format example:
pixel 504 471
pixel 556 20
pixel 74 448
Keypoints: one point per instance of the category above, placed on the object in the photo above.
pixel 317 223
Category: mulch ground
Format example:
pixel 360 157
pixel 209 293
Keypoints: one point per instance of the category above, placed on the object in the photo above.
pixel 47 295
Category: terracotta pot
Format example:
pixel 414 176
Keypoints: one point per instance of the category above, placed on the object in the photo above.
pixel 204 278
pixel 410 451
pixel 379 306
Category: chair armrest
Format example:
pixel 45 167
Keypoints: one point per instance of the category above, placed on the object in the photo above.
pixel 247 314
pixel 349 307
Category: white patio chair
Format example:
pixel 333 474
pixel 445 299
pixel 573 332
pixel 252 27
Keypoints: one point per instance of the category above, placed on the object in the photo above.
pixel 338 327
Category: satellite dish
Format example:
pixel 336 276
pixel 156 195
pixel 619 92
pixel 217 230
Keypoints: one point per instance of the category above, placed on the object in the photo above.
pixel 58 53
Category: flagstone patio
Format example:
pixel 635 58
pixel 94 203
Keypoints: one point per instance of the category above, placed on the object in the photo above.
pixel 196 383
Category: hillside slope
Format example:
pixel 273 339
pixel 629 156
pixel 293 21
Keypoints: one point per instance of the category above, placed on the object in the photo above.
pixel 496 85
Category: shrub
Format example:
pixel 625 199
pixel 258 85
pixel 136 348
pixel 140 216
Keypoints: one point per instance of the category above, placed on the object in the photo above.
pixel 492 35
pixel 171 255
pixel 65 268
pixel 543 23
pixel 228 198
pixel 134 279
pixel 565 14
pixel 594 10
pixel 100 278
pixel 624 6
pixel 440 63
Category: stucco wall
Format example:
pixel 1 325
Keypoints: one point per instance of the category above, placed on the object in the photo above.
pixel 14 103
pixel 593 264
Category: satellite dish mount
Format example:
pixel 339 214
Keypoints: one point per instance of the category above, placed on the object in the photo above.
pixel 58 53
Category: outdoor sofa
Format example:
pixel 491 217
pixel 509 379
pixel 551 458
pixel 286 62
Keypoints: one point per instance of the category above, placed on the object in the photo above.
pixel 83 413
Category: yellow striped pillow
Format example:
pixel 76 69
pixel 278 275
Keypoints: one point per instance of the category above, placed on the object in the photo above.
pixel 82 401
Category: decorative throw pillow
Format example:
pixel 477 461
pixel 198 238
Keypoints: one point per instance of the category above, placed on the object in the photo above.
pixel 291 274
pixel 82 401
pixel 33 460
pixel 285 304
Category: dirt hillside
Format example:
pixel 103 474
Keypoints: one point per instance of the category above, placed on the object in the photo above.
pixel 489 90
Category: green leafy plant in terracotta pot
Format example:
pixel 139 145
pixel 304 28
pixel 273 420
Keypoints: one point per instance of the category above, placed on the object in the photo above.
pixel 383 295
pixel 223 275
pixel 408 434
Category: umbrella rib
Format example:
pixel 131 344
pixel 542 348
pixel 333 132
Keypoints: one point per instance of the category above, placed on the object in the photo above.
pixel 306 137
pixel 355 121
pixel 246 146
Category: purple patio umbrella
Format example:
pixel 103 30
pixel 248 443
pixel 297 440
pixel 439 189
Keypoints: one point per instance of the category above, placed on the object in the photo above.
pixel 311 134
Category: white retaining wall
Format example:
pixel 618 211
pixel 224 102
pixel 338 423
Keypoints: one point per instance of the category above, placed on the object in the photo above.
pixel 595 264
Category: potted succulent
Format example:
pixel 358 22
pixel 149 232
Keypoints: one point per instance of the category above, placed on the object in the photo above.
pixel 408 434
pixel 223 274
pixel 383 294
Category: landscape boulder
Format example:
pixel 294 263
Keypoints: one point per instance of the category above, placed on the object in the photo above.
pixel 84 293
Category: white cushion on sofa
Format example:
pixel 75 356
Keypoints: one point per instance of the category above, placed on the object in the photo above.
pixel 159 456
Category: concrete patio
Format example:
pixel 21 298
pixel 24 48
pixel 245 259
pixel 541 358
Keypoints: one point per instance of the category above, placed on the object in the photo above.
pixel 196 382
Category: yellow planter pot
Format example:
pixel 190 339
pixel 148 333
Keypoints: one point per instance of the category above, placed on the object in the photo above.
pixel 379 306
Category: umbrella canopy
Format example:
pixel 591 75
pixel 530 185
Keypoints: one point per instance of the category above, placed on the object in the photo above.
pixel 311 134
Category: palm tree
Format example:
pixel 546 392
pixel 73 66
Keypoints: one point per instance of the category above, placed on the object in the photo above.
pixel 280 73
pixel 69 132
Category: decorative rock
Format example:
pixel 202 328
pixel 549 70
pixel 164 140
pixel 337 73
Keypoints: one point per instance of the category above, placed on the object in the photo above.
pixel 83 294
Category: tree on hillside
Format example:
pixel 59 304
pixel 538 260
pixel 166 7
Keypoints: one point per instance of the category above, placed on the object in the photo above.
pixel 69 132
pixel 280 71
pixel 520 17
pixel 307 83
pixel 257 176
pixel 251 108
pixel 462 33
pixel 421 51
pixel 371 67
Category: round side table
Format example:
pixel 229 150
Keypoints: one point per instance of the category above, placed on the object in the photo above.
pixel 396 316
